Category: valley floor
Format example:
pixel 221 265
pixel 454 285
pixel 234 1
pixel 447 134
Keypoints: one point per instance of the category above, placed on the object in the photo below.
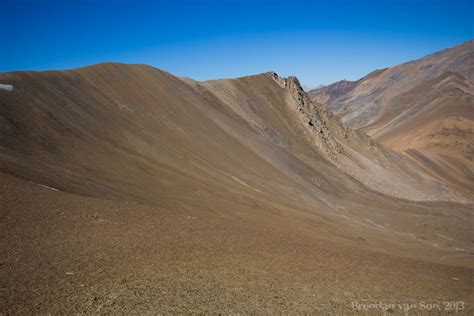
pixel 64 253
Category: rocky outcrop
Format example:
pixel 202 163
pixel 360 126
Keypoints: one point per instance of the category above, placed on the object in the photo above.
pixel 354 151
pixel 314 116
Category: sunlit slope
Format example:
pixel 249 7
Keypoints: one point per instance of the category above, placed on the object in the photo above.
pixel 423 109
pixel 136 132
pixel 254 148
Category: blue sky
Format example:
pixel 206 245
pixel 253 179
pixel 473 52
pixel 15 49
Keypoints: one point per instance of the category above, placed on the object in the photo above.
pixel 318 41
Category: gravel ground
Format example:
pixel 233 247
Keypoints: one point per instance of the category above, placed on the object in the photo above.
pixel 63 253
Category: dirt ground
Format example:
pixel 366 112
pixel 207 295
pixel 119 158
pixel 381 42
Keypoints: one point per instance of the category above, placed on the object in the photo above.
pixel 63 253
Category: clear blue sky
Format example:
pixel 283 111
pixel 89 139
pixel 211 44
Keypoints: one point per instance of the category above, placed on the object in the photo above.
pixel 318 41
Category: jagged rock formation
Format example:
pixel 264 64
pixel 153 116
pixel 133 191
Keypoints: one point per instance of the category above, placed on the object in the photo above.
pixel 316 117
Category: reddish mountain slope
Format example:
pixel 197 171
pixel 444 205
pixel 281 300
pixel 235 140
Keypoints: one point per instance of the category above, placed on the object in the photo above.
pixel 423 109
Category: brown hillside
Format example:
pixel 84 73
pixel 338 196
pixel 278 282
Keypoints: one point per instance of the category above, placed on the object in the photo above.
pixel 127 189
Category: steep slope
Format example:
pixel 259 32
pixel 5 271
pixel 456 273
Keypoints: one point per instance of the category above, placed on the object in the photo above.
pixel 434 124
pixel 410 107
pixel 311 128
pixel 367 98
pixel 245 157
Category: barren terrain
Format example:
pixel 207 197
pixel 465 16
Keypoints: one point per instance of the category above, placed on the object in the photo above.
pixel 423 109
pixel 127 189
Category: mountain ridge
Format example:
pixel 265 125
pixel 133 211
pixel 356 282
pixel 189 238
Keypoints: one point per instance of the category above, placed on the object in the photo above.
pixel 205 183
pixel 403 103
pixel 326 133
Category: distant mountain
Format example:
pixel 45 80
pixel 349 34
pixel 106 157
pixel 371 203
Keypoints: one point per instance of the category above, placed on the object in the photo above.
pixel 309 88
pixel 329 94
pixel 423 108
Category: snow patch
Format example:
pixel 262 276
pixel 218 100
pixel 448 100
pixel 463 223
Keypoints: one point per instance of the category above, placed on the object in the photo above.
pixel 7 87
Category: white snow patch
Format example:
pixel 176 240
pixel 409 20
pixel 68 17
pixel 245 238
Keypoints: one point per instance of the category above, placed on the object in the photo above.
pixel 7 87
